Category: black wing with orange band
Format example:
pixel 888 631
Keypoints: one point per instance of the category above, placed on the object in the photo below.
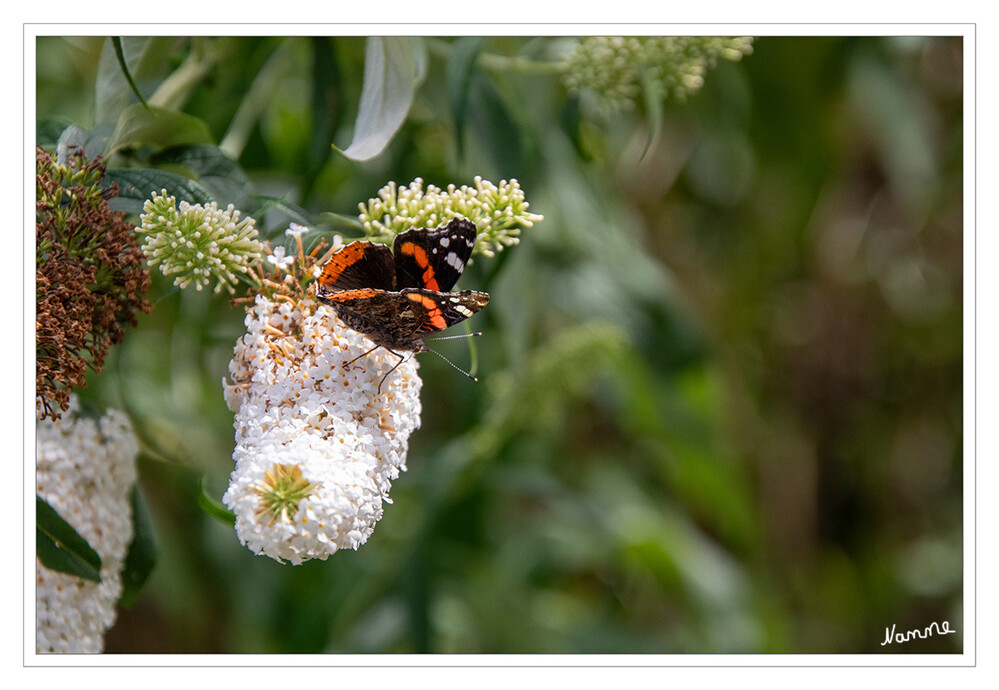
pixel 433 259
pixel 359 265
pixel 399 320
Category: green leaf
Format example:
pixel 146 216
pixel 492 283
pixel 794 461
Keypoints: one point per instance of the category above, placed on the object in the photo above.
pixel 159 128
pixel 142 552
pixel 48 131
pixel 71 137
pixel 259 204
pixel 394 66
pixel 326 85
pixel 148 59
pixel 205 161
pixel 112 92
pixel 120 54
pixel 60 547
pixel 91 141
pixel 340 220
pixel 135 185
pixel 497 129
pixel 213 508
pixel 570 122
pixel 420 58
pixel 212 168
pixel 256 98
pixel 175 89
pixel 652 94
pixel 461 66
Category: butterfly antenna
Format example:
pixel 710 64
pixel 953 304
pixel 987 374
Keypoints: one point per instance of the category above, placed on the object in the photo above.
pixel 448 360
pixel 452 337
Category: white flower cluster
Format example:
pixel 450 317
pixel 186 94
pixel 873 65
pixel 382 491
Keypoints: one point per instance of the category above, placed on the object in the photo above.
pixel 317 444
pixel 85 470
pixel 497 211
pixel 611 69
pixel 198 243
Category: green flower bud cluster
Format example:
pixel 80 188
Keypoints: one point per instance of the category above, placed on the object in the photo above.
pixel 613 71
pixel 198 243
pixel 498 211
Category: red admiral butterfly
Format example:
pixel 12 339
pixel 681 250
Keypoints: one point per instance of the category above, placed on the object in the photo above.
pixel 397 297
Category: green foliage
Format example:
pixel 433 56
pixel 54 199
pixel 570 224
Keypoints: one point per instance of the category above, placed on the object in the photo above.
pixel 141 125
pixel 142 552
pixel 60 547
pixel 720 406
pixel 119 53
pixel 136 185
pixel 394 66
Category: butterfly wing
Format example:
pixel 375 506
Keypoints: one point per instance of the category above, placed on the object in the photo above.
pixel 358 265
pixel 400 320
pixel 433 259
pixel 434 311
pixel 396 297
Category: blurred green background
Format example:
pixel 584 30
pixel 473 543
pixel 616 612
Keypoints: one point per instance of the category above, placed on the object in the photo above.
pixel 720 397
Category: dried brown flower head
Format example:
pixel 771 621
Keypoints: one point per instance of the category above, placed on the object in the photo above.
pixel 89 276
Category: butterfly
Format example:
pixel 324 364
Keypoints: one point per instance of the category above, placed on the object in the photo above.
pixel 398 297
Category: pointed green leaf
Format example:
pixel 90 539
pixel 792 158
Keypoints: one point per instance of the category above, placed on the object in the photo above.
pixel 339 220
pixel 498 130
pixel 142 552
pixel 148 58
pixel 212 168
pixel 60 547
pixel 135 185
pixel 120 54
pixel 159 128
pixel 394 66
pixel 570 121
pixel 53 557
pixel 461 65
pixel 205 161
pixel 111 90
pixel 91 141
pixel 47 132
pixel 652 94
pixel 259 204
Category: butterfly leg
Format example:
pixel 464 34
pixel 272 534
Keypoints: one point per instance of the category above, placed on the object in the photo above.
pixel 402 358
pixel 363 354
